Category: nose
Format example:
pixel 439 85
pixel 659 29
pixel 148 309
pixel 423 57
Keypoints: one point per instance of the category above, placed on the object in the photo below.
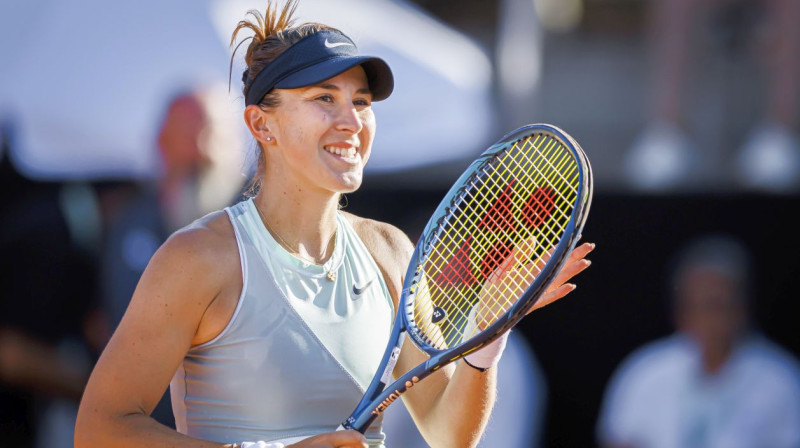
pixel 349 120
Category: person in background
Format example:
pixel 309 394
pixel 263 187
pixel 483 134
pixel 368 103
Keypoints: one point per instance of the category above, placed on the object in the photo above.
pixel 664 156
pixel 48 306
pixel 200 165
pixel 716 382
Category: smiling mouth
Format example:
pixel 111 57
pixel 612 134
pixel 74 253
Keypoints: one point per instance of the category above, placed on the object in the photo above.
pixel 347 153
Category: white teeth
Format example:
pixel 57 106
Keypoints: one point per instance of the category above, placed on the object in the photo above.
pixel 344 152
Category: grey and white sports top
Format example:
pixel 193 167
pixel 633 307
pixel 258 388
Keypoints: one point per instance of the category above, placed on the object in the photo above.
pixel 298 352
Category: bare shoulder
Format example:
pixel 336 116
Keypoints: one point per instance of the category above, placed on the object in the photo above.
pixel 383 239
pixel 196 275
pixel 388 245
pixel 208 242
pixel 194 265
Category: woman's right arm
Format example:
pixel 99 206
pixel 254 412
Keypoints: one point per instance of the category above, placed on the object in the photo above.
pixel 185 276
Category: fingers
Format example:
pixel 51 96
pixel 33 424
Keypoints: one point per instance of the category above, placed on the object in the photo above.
pixel 576 263
pixel 570 270
pixel 349 439
pixel 551 295
pixel 339 439
pixel 580 252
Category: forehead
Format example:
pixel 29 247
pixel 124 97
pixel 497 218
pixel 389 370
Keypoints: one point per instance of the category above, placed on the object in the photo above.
pixel 699 286
pixel 708 274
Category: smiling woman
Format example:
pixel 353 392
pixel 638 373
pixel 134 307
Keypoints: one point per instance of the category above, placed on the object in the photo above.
pixel 268 319
pixel 322 134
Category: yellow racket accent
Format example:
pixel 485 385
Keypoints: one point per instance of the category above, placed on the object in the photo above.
pixel 498 236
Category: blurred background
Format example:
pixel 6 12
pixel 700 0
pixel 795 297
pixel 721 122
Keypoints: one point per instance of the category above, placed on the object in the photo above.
pixel 120 125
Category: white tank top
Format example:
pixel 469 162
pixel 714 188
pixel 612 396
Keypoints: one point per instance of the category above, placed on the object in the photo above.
pixel 298 352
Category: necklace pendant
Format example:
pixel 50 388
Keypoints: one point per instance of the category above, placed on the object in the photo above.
pixel 332 276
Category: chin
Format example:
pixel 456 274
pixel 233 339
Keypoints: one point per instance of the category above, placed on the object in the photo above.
pixel 351 187
pixel 350 182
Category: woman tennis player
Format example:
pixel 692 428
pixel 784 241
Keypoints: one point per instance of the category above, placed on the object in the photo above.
pixel 268 319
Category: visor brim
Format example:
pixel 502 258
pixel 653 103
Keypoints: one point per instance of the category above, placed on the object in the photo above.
pixel 379 75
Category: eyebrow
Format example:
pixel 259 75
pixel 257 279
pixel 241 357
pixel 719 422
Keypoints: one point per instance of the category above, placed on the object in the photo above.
pixel 364 90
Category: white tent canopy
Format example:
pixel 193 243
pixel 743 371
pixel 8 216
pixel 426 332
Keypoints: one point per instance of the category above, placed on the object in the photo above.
pixel 83 83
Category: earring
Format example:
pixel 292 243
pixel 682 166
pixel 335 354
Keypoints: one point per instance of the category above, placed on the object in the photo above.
pixel 269 139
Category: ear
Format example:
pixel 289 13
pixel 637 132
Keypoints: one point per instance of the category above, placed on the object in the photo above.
pixel 257 121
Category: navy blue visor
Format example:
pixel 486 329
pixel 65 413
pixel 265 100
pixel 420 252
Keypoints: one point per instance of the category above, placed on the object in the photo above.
pixel 314 59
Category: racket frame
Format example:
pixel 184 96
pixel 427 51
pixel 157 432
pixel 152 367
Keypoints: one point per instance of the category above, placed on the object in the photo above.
pixel 377 397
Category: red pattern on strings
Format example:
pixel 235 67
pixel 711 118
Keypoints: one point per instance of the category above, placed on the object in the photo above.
pixel 500 216
pixel 494 257
pixel 458 269
pixel 539 206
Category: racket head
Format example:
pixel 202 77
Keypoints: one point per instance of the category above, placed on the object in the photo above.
pixel 527 195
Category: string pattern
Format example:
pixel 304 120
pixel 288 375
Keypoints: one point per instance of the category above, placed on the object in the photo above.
pixel 494 240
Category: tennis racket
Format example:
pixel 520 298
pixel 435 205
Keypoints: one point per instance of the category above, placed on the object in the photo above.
pixel 492 246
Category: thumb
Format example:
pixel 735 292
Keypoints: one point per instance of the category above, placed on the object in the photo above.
pixel 348 439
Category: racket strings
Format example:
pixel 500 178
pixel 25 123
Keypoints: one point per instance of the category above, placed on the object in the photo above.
pixel 516 285
pixel 495 221
pixel 519 275
pixel 482 210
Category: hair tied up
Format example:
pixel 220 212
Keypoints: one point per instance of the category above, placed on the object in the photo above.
pixel 265 27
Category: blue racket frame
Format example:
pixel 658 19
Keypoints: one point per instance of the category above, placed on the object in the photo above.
pixel 377 397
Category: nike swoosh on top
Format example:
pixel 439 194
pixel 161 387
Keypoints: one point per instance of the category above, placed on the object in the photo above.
pixel 358 291
pixel 336 44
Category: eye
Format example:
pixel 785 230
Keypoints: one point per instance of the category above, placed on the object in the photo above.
pixel 327 98
pixel 361 102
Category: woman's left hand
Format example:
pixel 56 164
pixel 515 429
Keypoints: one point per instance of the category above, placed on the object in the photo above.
pixel 516 272
pixel 558 288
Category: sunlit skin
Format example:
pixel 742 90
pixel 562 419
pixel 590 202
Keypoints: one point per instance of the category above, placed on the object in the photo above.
pixel 301 174
pixel 499 294
pixel 335 113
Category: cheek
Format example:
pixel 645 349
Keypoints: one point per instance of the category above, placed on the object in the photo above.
pixel 369 125
pixel 368 118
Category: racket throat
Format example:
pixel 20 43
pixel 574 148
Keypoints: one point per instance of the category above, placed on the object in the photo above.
pixel 386 377
pixel 394 396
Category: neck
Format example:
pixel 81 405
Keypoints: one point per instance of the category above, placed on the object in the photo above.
pixel 715 357
pixel 301 220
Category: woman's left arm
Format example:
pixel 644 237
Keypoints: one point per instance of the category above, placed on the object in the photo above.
pixel 452 406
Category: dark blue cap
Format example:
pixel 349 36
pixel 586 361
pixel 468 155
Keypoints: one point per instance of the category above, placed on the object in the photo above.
pixel 314 59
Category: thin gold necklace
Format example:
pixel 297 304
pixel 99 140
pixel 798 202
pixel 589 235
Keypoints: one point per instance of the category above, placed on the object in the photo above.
pixel 331 275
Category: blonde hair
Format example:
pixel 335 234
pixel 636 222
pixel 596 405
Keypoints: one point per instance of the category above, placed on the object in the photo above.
pixel 273 33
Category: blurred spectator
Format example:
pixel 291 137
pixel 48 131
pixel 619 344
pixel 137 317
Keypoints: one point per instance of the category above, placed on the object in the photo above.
pixel 200 173
pixel 46 302
pixel 664 156
pixel 714 383
pixel 517 418
pixel 519 52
